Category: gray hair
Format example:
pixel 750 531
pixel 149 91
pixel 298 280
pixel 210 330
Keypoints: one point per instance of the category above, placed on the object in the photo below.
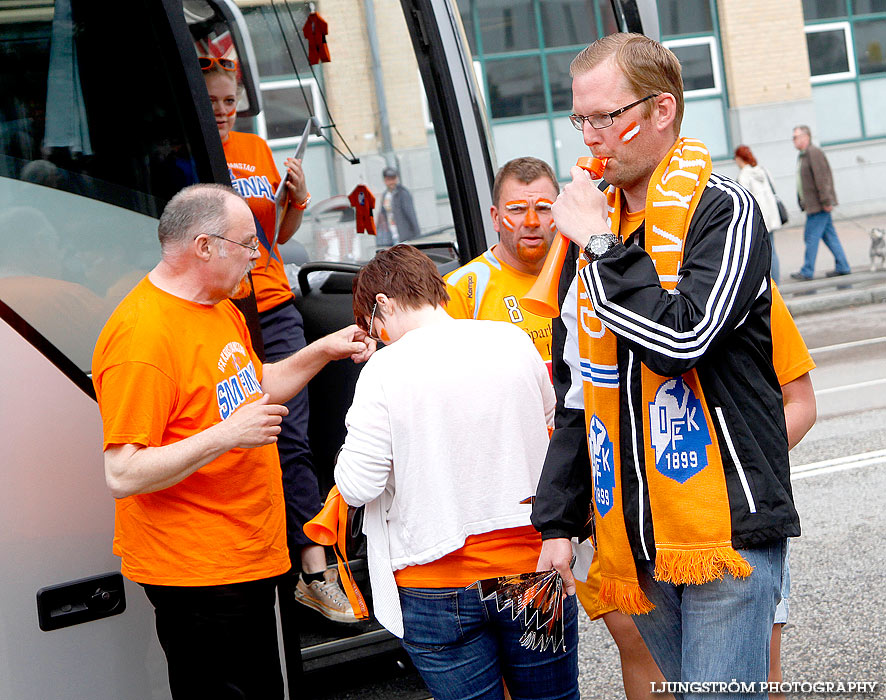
pixel 201 208
pixel 804 129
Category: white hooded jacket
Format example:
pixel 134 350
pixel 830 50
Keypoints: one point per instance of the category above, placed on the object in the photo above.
pixel 755 179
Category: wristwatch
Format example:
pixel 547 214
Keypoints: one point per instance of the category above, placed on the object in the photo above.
pixel 599 245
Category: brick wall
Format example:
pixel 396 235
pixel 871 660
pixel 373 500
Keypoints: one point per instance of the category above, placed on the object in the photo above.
pixel 350 82
pixel 764 51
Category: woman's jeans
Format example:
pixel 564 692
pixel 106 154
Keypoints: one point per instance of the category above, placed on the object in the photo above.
pixel 463 647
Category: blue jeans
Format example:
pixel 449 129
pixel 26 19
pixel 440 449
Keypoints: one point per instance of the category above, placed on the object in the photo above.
pixel 781 612
pixel 717 631
pixel 820 227
pixel 463 647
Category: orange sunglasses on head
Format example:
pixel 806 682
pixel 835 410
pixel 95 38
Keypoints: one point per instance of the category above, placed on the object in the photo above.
pixel 206 62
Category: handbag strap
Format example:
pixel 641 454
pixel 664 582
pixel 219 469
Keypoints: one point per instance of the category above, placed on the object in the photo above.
pixel 771 186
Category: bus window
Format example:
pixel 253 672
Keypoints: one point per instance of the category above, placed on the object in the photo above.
pixel 92 145
pixel 371 103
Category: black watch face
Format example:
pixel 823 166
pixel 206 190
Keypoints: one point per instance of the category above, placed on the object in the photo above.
pixel 600 244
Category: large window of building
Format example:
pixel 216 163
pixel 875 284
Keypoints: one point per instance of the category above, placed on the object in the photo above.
pixel 847 61
pixel 689 28
pixel 522 50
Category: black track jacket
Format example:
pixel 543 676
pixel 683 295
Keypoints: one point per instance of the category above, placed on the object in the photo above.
pixel 721 310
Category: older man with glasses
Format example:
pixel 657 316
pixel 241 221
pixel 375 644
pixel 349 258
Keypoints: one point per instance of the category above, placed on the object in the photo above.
pixel 191 419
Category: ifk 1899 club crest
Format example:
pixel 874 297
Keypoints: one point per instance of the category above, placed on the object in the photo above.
pixel 678 431
pixel 603 463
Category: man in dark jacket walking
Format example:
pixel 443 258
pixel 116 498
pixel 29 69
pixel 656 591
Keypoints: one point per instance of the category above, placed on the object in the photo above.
pixel 396 216
pixel 817 198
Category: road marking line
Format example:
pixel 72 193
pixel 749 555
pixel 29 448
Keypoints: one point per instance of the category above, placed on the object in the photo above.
pixel 848 387
pixel 850 344
pixel 838 464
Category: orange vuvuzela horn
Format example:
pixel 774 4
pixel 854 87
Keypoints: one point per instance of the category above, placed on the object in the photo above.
pixel 330 527
pixel 541 299
pixel 595 166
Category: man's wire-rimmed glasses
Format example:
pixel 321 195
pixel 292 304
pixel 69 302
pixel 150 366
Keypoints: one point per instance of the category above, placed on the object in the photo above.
pixel 601 121
pixel 249 246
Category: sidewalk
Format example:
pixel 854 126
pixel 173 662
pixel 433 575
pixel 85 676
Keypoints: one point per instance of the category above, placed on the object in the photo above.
pixel 822 293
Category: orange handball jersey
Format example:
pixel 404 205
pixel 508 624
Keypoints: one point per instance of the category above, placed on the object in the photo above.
pixel 254 175
pixel 488 289
pixel 165 369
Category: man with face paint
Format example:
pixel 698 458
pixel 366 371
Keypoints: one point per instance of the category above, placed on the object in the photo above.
pixel 490 286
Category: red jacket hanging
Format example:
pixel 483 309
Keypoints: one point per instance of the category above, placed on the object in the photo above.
pixel 315 31
pixel 363 201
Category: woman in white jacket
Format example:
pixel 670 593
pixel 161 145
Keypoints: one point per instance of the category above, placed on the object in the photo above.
pixel 756 180
pixel 446 436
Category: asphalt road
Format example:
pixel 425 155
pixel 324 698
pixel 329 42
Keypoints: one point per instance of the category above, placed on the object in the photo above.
pixel 837 626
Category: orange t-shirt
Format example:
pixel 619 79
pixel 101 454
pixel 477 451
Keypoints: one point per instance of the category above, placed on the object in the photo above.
pixel 790 356
pixel 498 553
pixel 165 369
pixel 254 175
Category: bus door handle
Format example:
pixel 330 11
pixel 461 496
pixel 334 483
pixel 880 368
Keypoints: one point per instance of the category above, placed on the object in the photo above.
pixel 83 600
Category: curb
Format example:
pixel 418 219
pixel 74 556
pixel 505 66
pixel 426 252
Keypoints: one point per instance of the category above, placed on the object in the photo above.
pixel 831 301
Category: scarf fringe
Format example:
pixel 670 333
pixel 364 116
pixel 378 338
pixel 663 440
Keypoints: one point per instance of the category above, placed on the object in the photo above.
pixel 628 597
pixel 699 566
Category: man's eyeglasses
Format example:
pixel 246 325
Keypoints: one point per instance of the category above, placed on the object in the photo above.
pixel 601 121
pixel 206 62
pixel 249 246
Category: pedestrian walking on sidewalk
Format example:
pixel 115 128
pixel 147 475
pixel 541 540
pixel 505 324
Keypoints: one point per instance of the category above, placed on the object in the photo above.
pixel 815 192
pixel 756 180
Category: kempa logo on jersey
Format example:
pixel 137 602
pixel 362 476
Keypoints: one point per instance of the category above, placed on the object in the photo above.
pixel 254 186
pixel 235 390
pixel 678 431
pixel 603 465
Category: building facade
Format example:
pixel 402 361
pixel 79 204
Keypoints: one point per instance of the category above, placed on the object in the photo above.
pixel 753 69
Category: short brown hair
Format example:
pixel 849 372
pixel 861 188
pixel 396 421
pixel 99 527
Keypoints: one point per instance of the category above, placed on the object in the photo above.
pixel 403 273
pixel 745 153
pixel 648 67
pixel 526 170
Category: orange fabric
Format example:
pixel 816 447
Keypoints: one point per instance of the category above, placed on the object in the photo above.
pixel 489 289
pixel 156 385
pixel 588 593
pixel 791 359
pixel 790 356
pixel 630 222
pixel 687 550
pixel 497 553
pixel 254 175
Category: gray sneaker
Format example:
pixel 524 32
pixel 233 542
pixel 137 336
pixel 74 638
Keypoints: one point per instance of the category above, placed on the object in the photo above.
pixel 327 598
